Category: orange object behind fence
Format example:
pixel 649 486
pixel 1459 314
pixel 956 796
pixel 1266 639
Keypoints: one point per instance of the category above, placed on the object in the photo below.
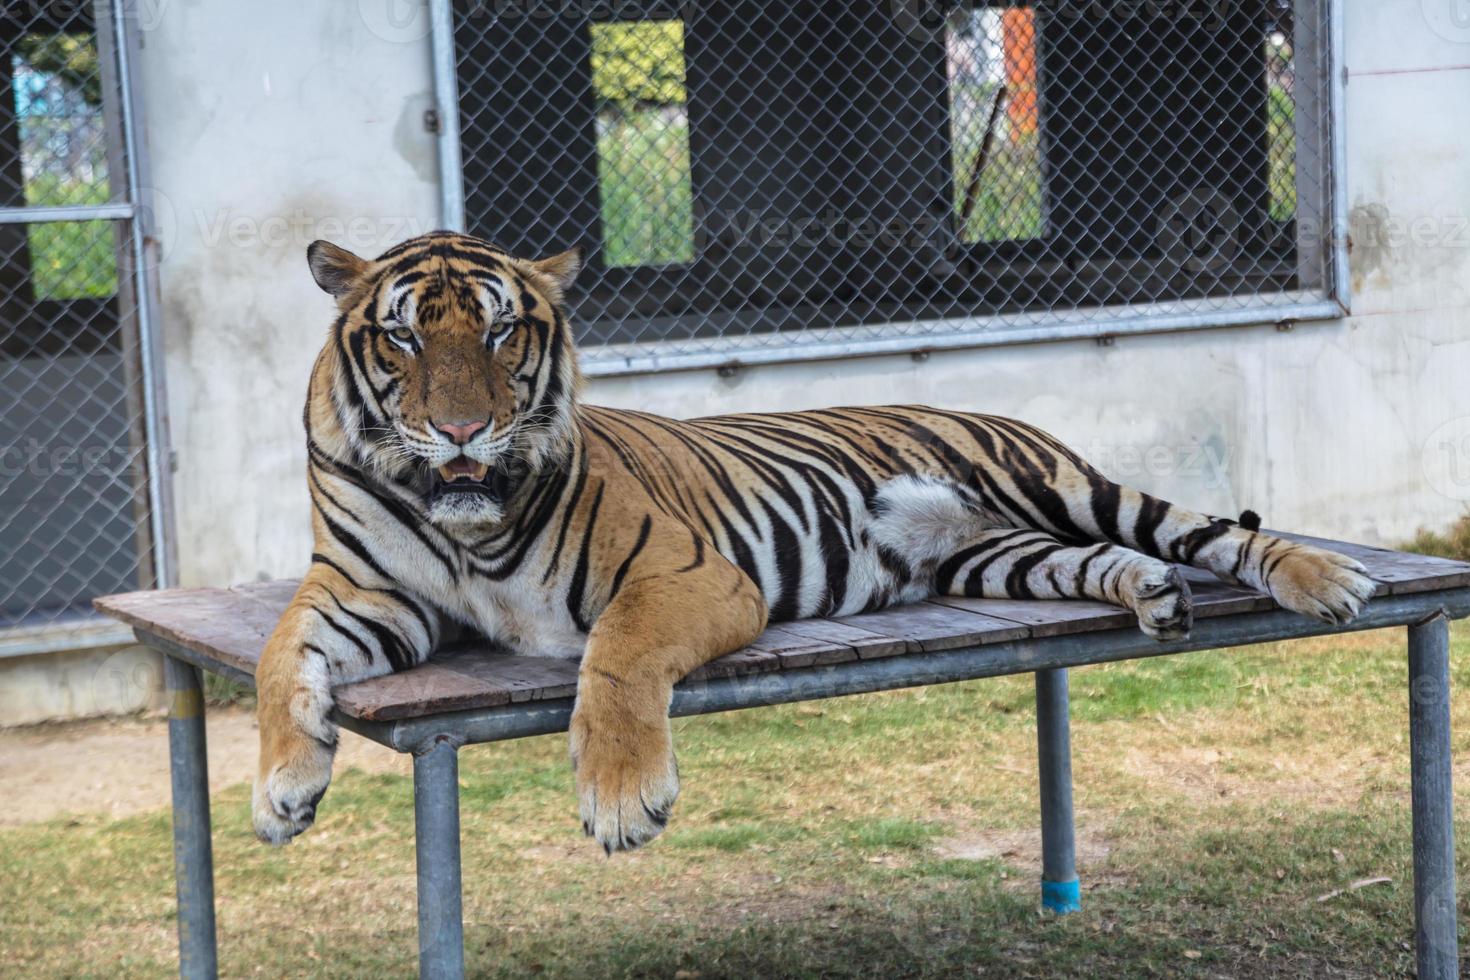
pixel 1018 42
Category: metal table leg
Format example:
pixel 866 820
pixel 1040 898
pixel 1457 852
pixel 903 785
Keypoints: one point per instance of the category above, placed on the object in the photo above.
pixel 436 844
pixel 1060 890
pixel 1433 801
pixel 193 857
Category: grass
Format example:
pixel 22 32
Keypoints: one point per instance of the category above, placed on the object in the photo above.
pixel 1453 542
pixel 1219 794
pixel 224 691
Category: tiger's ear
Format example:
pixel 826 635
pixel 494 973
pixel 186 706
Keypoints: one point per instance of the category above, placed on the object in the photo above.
pixel 560 269
pixel 335 269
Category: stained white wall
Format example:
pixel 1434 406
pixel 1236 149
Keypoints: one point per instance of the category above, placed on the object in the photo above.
pixel 274 123
pixel 269 124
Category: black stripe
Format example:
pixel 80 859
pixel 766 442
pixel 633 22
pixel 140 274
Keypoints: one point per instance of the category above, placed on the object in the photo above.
pixel 1005 546
pixel 617 582
pixel 348 635
pixel 786 550
pixel 353 543
pixel 1016 585
pixel 950 567
pixel 1151 514
pixel 566 522
pixel 576 591
pixel 1107 498
pixel 1188 546
pixel 698 559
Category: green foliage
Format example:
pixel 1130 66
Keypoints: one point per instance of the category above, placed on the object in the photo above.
pixel 642 142
pixel 647 201
pixel 71 58
pixel 71 259
pixel 638 63
pixel 1281 153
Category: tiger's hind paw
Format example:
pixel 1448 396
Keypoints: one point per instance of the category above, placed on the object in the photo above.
pixel 1162 602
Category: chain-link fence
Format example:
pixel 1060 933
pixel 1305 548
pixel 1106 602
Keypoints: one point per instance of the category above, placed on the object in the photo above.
pixel 757 175
pixel 75 507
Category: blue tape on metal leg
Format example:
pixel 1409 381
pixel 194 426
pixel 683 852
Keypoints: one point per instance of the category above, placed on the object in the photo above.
pixel 1062 896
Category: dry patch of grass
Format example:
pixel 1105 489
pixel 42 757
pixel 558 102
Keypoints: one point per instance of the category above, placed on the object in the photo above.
pixel 1453 542
pixel 1218 796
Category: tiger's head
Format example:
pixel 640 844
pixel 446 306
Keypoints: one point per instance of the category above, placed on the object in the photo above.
pixel 450 369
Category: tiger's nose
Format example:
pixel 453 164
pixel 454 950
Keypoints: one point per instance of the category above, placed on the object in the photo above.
pixel 459 433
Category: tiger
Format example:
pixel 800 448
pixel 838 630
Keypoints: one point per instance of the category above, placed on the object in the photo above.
pixel 457 480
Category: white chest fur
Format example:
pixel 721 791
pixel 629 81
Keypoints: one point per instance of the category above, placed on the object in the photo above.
pixel 526 615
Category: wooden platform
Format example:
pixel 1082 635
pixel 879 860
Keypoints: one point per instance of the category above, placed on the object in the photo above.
pixel 230 626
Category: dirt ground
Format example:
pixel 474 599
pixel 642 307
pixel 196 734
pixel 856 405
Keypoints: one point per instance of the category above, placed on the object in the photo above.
pixel 120 766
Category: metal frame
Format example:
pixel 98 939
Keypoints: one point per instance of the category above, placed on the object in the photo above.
pixel 1337 74
pixel 446 96
pixel 71 212
pixel 193 853
pixel 898 337
pixel 145 266
pixel 1060 889
pixel 1083 323
pixel 435 741
pixel 1432 798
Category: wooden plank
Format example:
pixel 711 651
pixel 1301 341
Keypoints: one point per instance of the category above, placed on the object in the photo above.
pixel 231 626
pixel 739 663
pixel 926 626
pixel 864 643
pixel 1212 596
pixel 457 680
pixel 763 654
pixel 793 649
pixel 1047 617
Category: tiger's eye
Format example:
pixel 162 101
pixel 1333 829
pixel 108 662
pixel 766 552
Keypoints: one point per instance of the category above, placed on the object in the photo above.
pixel 402 334
pixel 499 328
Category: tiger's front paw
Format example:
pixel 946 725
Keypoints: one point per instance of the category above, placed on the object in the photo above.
pixel 626 774
pixel 1319 583
pixel 293 775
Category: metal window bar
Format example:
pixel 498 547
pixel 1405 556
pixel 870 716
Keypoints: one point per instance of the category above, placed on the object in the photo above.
pixel 84 501
pixel 768 181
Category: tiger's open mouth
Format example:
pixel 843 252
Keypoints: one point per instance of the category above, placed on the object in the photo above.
pixel 465 476
pixel 462 475
pixel 463 470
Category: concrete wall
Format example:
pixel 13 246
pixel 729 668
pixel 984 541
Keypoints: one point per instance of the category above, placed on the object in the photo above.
pixel 270 124
pixel 275 123
pixel 116 680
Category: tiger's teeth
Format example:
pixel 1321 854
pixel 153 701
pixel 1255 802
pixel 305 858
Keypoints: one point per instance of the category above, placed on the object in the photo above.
pixel 463 468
